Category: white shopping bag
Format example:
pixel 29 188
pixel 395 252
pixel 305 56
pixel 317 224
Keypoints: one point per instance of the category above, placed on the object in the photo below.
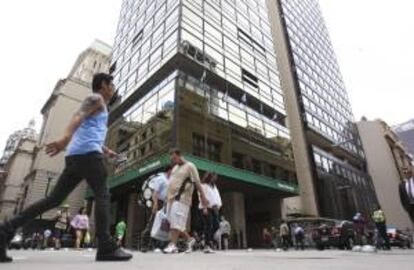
pixel 160 228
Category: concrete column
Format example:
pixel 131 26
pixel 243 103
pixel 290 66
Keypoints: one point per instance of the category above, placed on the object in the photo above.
pixel 301 151
pixel 234 211
pixel 133 220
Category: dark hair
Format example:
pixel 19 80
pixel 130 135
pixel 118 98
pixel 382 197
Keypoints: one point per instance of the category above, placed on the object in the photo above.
pixel 175 151
pixel 169 167
pixel 98 79
pixel 81 210
pixel 208 178
pixel 214 178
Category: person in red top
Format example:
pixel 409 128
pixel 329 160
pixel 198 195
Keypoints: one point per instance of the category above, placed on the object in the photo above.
pixel 267 238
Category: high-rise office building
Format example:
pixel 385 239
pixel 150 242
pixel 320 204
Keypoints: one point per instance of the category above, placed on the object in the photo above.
pixel 329 158
pixel 202 76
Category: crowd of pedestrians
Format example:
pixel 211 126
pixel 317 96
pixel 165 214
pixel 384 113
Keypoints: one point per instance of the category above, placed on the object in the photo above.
pixel 344 234
pixel 172 202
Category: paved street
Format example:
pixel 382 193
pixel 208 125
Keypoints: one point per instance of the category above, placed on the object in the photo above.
pixel 258 259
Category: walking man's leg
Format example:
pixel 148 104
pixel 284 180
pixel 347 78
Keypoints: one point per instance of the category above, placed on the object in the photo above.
pixel 64 186
pixel 95 173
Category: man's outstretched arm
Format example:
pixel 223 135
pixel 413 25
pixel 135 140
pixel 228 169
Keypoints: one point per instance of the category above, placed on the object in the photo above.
pixel 89 106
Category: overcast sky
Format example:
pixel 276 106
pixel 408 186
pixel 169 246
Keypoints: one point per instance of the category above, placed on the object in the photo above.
pixel 40 41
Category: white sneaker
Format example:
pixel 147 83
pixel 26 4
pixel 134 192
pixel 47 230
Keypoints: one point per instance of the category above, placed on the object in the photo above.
pixel 190 245
pixel 170 249
pixel 209 250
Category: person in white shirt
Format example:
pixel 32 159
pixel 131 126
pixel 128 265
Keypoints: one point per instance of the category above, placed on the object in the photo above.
pixel 160 187
pixel 211 216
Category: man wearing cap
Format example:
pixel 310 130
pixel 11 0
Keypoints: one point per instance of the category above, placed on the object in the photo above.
pixel 83 140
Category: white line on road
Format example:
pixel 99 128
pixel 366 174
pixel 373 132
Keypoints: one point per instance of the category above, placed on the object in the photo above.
pixel 16 258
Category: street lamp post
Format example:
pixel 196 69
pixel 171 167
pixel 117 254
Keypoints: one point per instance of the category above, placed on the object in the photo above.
pixel 49 180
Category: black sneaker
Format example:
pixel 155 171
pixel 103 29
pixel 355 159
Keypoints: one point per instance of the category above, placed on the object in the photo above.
pixel 115 255
pixel 110 252
pixel 6 235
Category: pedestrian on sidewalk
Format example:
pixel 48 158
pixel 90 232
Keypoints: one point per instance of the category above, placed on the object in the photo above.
pixel 120 231
pixel 80 224
pixel 184 177
pixel 84 139
pixel 299 233
pixel 266 238
pixel 406 190
pixel 381 224
pixel 159 186
pixel 285 235
pixel 275 237
pixel 359 228
pixel 61 225
pixel 211 217
pixel 223 234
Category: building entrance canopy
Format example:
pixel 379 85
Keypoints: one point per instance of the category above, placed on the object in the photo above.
pixel 283 188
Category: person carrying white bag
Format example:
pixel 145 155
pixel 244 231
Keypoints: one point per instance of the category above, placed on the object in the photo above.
pixel 161 227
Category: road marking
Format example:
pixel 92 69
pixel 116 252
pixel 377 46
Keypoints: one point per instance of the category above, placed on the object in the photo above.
pixel 18 258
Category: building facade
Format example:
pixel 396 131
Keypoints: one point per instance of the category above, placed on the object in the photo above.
pixel 13 142
pixel 386 158
pixel 17 166
pixel 63 102
pixel 406 133
pixel 202 76
pixel 329 157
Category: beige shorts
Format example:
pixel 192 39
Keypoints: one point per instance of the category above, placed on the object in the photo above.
pixel 178 215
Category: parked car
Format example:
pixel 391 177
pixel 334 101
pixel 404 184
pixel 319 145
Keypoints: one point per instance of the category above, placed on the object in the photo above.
pixel 17 241
pixel 33 241
pixel 342 235
pixel 68 241
pixel 398 238
pixel 310 225
pixel 321 236
pixel 323 233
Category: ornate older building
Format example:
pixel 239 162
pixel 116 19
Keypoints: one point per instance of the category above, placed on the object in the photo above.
pixel 11 179
pixel 64 100
pixel 386 156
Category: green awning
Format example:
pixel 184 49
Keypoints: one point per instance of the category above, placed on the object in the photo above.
pixel 138 171
pixel 242 175
pixel 205 165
